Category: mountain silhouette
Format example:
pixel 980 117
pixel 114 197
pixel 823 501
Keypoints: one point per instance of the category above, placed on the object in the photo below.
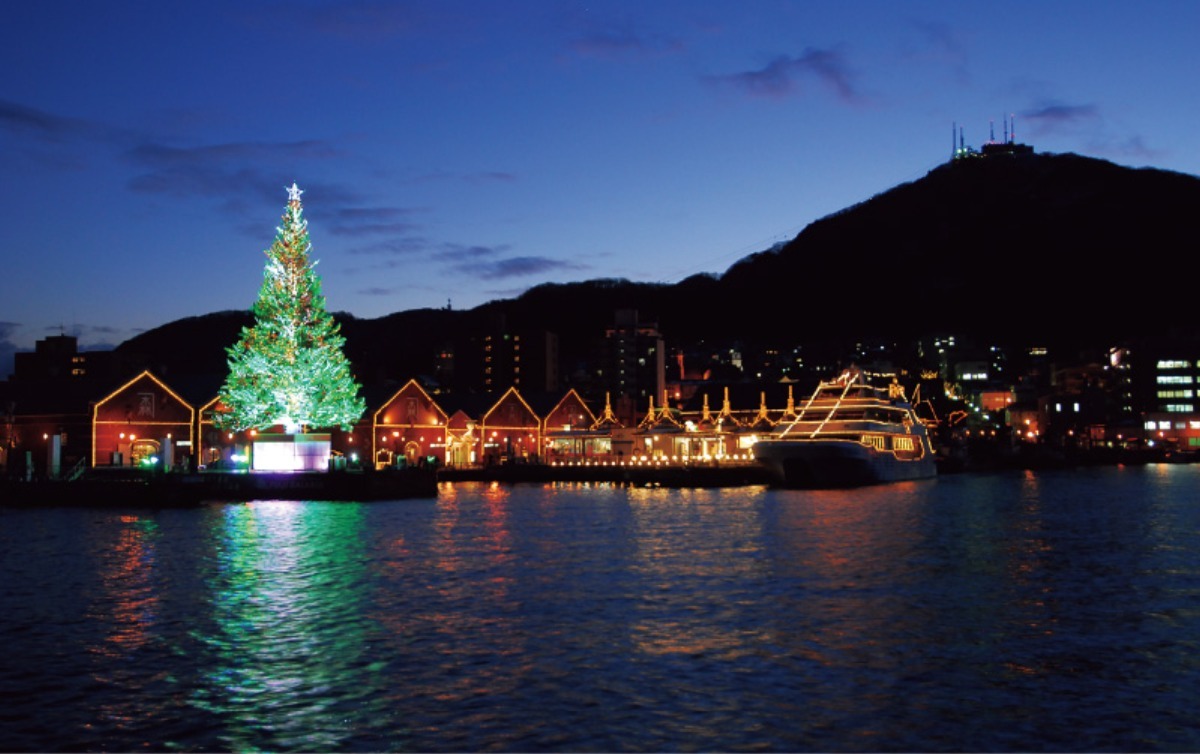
pixel 1012 249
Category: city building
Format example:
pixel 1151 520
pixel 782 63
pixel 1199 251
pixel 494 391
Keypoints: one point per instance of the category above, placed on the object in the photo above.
pixel 632 368
pixel 58 358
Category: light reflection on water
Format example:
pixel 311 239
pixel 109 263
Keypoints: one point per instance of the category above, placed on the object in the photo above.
pixel 1047 611
pixel 283 650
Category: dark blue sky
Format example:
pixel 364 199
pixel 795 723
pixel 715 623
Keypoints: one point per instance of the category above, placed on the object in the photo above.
pixel 467 151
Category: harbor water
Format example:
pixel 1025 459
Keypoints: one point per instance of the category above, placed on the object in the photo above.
pixel 1016 611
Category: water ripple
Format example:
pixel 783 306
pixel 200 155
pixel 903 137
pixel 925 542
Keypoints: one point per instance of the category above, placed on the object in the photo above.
pixel 1049 611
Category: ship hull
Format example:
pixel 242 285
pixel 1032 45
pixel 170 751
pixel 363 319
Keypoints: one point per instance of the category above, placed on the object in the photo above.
pixel 829 463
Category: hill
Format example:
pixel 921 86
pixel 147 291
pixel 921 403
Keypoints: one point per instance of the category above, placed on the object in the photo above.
pixel 1008 248
pixel 1013 249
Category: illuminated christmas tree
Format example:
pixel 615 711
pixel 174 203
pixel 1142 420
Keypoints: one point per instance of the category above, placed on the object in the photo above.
pixel 289 367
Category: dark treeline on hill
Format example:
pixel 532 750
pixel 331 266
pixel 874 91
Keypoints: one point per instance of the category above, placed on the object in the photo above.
pixel 1050 248
pixel 1009 249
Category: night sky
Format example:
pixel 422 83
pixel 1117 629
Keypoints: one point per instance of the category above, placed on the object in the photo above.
pixel 462 152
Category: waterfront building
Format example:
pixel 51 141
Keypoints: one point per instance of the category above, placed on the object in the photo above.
pixel 708 431
pixel 411 426
pixel 761 422
pixel 462 439
pixel 570 432
pixel 214 447
pixel 142 423
pixel 660 436
pixel 1143 394
pixel 1168 386
pixel 44 433
pixel 510 431
pixel 1025 421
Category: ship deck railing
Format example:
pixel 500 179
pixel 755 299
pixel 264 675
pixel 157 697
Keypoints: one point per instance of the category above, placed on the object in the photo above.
pixel 819 428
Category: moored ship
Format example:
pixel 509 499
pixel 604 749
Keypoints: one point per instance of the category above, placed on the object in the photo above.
pixel 850 433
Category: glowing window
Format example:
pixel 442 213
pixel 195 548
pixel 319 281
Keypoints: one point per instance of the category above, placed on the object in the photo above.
pixel 1175 394
pixel 1174 379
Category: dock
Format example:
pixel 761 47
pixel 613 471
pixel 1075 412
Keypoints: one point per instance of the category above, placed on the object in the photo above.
pixel 691 475
pixel 127 488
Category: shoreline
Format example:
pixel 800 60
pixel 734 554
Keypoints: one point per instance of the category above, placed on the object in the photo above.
pixel 114 488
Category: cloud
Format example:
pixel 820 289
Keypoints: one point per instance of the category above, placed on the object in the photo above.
pixel 1086 123
pixel 483 176
pixel 474 261
pixel 158 155
pixel 1135 146
pixel 90 333
pixel 783 76
pixel 470 254
pixel 103 330
pixel 406 246
pixel 371 229
pixel 242 174
pixel 376 291
pixel 359 19
pixel 622 39
pixel 57 129
pixel 39 123
pixel 1056 115
pixel 377 214
pixel 501 269
pixel 368 221
pixel 245 176
pixel 490 176
pixel 222 170
pixel 55 141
